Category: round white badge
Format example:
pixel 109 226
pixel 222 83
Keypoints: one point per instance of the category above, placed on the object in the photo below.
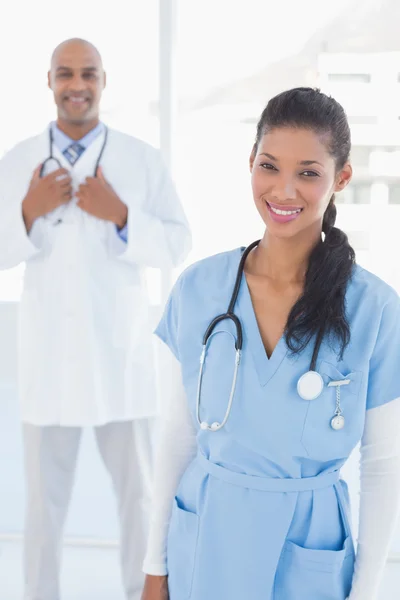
pixel 337 422
pixel 310 385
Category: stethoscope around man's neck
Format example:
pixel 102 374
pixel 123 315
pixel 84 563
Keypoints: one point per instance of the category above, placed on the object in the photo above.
pixel 51 156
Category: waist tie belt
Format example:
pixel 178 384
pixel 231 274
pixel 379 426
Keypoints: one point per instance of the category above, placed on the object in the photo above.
pixel 268 484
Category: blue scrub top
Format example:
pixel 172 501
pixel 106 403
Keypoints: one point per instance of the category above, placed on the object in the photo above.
pixel 235 529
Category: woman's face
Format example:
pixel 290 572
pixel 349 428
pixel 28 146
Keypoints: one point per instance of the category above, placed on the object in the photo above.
pixel 293 179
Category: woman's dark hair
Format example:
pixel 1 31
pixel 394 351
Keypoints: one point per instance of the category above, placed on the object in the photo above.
pixel 321 310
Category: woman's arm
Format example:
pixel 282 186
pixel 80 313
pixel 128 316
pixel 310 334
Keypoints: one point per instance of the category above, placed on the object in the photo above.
pixel 379 497
pixel 175 450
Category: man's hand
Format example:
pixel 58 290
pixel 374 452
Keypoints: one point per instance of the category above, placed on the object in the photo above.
pixel 155 588
pixel 97 197
pixel 46 194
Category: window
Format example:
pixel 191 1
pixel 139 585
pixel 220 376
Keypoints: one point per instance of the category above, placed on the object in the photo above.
pixel 349 77
pixel 355 193
pixel 363 120
pixel 360 240
pixel 384 162
pixel 132 83
pixel 394 193
pixel 360 156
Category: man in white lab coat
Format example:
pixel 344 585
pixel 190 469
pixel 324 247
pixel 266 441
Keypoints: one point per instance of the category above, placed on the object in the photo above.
pixel 87 222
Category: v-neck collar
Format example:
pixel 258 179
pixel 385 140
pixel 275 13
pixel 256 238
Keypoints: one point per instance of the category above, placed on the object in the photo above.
pixel 265 367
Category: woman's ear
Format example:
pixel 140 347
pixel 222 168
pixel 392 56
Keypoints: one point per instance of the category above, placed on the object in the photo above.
pixel 252 158
pixel 344 177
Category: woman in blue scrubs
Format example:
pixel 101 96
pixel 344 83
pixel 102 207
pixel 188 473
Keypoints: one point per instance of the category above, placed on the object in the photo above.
pixel 249 504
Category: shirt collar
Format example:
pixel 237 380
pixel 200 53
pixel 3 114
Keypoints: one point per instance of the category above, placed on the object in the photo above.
pixel 63 141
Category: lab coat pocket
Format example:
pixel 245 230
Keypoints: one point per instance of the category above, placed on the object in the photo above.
pixel 322 441
pixel 181 553
pixel 306 573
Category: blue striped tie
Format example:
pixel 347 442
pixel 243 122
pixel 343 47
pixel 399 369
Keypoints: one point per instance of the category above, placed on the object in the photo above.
pixel 73 152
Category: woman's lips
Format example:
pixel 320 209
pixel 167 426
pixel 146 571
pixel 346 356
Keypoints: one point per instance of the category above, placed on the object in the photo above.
pixel 283 213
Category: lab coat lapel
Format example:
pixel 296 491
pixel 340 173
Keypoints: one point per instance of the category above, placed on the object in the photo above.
pixel 60 157
pixel 43 146
pixel 86 163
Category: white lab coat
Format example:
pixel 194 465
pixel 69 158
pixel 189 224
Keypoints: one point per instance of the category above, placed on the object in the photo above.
pixel 85 343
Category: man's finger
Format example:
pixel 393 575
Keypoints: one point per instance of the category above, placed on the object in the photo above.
pixel 36 173
pixel 67 192
pixel 82 191
pixel 81 204
pixel 65 182
pixel 59 175
pixel 100 174
pixel 66 196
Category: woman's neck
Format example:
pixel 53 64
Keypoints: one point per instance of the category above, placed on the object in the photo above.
pixel 284 260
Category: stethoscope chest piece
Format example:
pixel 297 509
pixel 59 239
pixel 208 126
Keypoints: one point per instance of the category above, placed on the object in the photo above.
pixel 310 385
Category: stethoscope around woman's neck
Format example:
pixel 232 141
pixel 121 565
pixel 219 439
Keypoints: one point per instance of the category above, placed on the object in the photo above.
pixel 309 386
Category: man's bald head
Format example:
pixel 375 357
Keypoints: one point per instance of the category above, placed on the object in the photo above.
pixel 77 80
pixel 75 44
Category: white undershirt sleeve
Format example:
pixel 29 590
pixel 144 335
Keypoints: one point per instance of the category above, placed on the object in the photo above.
pixel 379 498
pixel 175 449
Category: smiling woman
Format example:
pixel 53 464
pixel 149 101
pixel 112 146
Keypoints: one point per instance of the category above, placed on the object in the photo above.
pixel 299 160
pixel 297 362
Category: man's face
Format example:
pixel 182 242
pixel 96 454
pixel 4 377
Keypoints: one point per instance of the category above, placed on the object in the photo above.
pixel 77 80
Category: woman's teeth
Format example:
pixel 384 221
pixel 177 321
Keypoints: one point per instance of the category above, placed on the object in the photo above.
pixel 284 212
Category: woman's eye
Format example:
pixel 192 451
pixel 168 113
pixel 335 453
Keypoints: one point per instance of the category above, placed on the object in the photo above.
pixel 269 167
